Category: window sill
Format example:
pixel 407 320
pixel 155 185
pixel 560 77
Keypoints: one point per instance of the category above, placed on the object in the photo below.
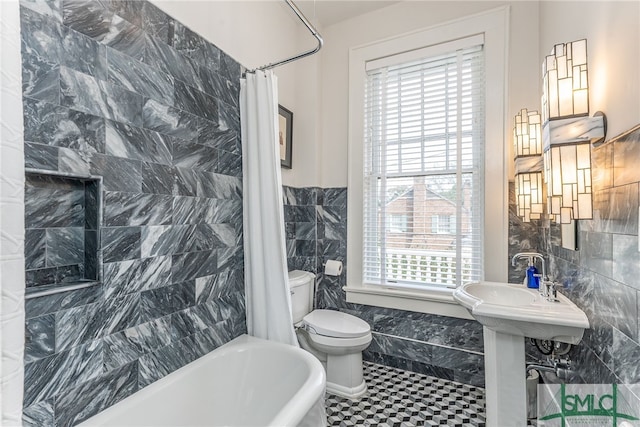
pixel 439 302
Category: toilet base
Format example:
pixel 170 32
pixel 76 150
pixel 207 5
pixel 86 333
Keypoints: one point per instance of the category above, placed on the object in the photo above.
pixel 348 392
pixel 344 375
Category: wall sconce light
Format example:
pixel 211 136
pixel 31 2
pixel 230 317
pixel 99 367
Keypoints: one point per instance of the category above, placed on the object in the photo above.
pixel 527 142
pixel 568 132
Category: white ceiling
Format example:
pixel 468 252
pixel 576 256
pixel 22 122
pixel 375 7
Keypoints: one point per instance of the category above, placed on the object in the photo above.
pixel 328 12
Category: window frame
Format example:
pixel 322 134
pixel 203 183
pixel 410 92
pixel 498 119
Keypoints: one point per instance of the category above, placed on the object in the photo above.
pixel 493 24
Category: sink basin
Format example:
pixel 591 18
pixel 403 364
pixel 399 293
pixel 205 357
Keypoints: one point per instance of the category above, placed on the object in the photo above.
pixel 517 310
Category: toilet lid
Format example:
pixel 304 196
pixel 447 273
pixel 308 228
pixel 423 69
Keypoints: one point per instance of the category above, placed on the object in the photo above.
pixel 336 324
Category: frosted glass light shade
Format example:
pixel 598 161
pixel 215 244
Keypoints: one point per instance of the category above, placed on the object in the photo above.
pixel 527 135
pixel 527 141
pixel 568 175
pixel 565 87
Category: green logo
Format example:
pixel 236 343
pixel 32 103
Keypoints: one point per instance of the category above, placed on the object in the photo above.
pixel 568 405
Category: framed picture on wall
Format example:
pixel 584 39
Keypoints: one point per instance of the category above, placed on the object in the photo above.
pixel 285 132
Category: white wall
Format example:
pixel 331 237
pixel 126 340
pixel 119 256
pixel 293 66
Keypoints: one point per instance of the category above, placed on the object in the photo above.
pixel 612 30
pixel 401 18
pixel 256 33
pixel 11 218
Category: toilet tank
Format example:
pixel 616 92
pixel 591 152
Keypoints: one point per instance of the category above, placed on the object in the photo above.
pixel 301 284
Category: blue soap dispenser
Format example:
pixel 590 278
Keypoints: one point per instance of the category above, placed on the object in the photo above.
pixel 533 281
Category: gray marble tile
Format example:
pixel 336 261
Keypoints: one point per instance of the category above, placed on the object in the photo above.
pixel 231 258
pixel 160 302
pixel 186 183
pixel 34 248
pixel 171 121
pixel 120 243
pixel 70 273
pixel 229 68
pixel 158 179
pixel 48 41
pixel 627 353
pixel 622 214
pixel 50 124
pixel 138 144
pixel 195 101
pixel 131 10
pixel 40 306
pixel 626 155
pixel 38 156
pixel 65 246
pixel 398 347
pixel 195 156
pixel 155 272
pixel 39 414
pixel 93 396
pixel 85 93
pixel 51 207
pixel 94 20
pixel 46 378
pixel 90 322
pixel 189 43
pixel 228 211
pixel 129 345
pixel 219 87
pixel 74 162
pixel 162 362
pixel 118 174
pixel 156 23
pixel 190 266
pixel 137 77
pixel 229 164
pixel 602 167
pixel 170 61
pixel 127 209
pixel 596 252
pixel 121 278
pixel 229 117
pixel 210 288
pixel 626 260
pixel 39 338
pixel 218 186
pixel 168 240
pixel 227 140
pixel 190 210
pixel 49 8
pixel 40 79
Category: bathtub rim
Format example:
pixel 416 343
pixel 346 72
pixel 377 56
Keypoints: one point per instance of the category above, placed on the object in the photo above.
pixel 292 413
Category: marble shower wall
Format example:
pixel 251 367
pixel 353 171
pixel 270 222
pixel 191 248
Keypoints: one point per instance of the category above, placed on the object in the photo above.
pixel 602 276
pixel 436 345
pixel 120 90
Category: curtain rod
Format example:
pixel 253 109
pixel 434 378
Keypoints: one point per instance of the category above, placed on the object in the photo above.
pixel 314 33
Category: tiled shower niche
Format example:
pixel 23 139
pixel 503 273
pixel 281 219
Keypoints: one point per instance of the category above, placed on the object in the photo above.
pixel 62 221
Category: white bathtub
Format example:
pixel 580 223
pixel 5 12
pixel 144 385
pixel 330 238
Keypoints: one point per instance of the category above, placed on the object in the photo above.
pixel 246 382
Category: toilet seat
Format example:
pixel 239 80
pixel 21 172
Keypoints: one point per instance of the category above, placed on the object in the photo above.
pixel 335 324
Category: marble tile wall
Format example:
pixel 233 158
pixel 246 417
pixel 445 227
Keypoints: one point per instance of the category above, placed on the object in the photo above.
pixel 436 345
pixel 120 90
pixel 602 276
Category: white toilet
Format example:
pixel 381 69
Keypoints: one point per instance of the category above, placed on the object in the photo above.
pixel 336 338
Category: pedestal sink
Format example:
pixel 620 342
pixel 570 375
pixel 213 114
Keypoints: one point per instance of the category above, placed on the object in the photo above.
pixel 508 313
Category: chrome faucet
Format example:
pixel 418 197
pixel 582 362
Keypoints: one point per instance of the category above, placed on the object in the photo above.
pixel 530 256
pixel 547 287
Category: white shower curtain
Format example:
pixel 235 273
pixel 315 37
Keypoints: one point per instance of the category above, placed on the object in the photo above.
pixel 265 263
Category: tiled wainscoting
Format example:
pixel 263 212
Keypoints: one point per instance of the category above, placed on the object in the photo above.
pixel 445 347
pixel 121 91
pixel 602 276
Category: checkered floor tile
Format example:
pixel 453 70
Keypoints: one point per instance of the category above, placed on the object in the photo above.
pixel 398 398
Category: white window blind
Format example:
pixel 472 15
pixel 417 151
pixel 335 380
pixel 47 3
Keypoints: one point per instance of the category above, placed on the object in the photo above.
pixel 424 160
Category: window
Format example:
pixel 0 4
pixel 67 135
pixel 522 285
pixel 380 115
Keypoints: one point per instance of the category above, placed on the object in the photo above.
pixel 443 224
pixel 424 132
pixel 424 143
